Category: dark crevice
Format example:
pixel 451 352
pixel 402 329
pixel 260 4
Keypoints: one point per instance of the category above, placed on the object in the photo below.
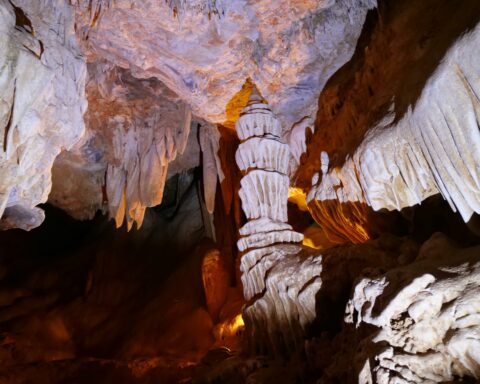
pixel 22 22
pixel 37 55
pixel 10 118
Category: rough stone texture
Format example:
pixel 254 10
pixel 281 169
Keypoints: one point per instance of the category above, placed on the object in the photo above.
pixel 201 50
pixel 263 153
pixel 399 123
pixel 212 166
pixel 279 283
pixel 284 305
pixel 42 101
pixel 205 50
pixel 427 314
pixel 135 130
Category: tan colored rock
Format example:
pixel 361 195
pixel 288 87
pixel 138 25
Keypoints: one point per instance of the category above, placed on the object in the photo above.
pixel 264 194
pixel 277 319
pixel 263 224
pixel 215 280
pixel 275 275
pixel 256 262
pixel 263 153
pixel 258 240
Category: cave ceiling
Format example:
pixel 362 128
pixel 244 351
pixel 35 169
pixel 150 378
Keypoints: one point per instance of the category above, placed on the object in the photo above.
pixel 104 100
pixel 145 70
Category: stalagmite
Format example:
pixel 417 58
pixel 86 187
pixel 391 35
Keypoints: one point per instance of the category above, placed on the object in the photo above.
pixel 279 280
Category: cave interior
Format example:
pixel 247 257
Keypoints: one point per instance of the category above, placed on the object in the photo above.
pixel 239 191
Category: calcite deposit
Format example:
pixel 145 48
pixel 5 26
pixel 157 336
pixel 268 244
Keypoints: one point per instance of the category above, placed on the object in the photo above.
pixel 42 102
pixel 279 283
pixel 427 316
pixel 239 191
pixel 204 50
pixel 434 148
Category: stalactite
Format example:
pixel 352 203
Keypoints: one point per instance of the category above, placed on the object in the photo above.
pixel 137 177
pixel 212 167
pixel 434 148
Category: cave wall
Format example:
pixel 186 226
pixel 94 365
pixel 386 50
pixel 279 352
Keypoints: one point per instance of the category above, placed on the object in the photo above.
pixel 399 122
pixel 42 103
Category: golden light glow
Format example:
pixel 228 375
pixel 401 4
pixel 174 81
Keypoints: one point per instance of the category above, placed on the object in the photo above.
pixel 341 222
pixel 238 322
pixel 229 328
pixel 298 197
pixel 314 237
pixel 309 243
pixel 237 103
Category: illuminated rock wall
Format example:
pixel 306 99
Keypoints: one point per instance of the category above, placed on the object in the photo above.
pixel 427 315
pixel 434 148
pixel 42 101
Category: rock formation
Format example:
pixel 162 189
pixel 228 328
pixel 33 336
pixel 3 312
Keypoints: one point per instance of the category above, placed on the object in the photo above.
pixel 135 129
pixel 434 148
pixel 181 206
pixel 278 283
pixel 203 50
pixel 42 102
pixel 212 166
pixel 427 314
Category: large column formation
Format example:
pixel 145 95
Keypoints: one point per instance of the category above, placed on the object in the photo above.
pixel 274 314
pixel 263 158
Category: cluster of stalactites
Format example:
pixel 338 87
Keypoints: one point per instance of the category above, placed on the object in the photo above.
pixel 142 154
pixel 434 148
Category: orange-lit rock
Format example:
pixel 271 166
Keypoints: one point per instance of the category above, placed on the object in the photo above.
pixel 341 222
pixel 216 282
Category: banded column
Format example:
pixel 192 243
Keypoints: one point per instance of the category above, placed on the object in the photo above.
pixel 270 263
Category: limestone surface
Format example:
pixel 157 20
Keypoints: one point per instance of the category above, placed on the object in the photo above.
pixel 204 50
pixel 42 101
pixel 427 314
pixel 434 148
